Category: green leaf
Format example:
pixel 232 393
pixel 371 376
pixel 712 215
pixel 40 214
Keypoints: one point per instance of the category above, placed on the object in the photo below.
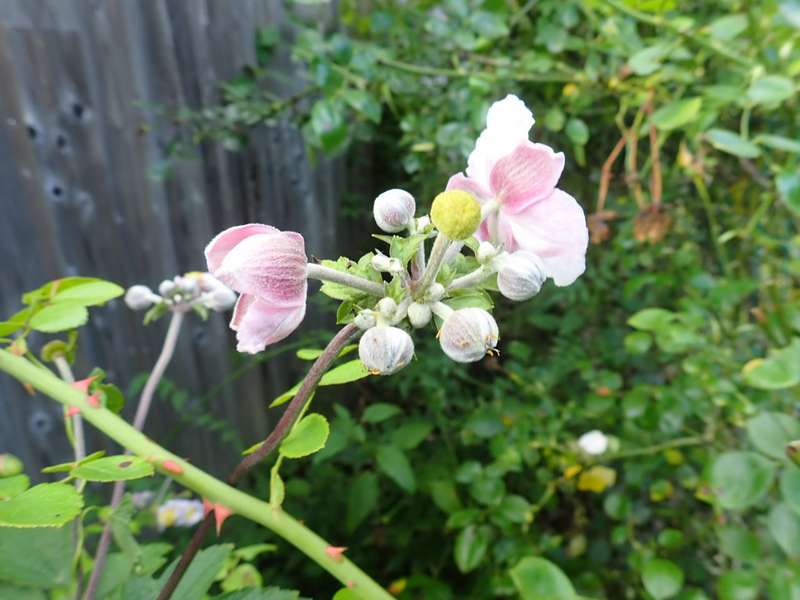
pixel 739 543
pixel 13 486
pixel 732 143
pixel 780 370
pixel 728 27
pixel 471 547
pixel 114 468
pixel 348 372
pixel 652 319
pixel 346 594
pixel 270 593
pixel 52 549
pixel 248 553
pixel 361 499
pixel 89 293
pixel 788 184
pixel 395 465
pixel 375 413
pixel 771 89
pixel 307 436
pixel 778 142
pixel 59 317
pixel 201 573
pixel 469 299
pixel 577 131
pixel 784 525
pixel 17 593
pixel 364 103
pixel 242 577
pixel 411 433
pixel 790 487
pixel 677 113
pixel 740 479
pixel 44 505
pixel 662 578
pixel 648 60
pixel 539 579
pixel 738 585
pixel 328 125
pixel 404 248
pixel 769 432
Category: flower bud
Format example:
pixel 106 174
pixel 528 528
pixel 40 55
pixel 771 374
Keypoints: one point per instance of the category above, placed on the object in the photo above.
pixel 187 285
pixel 423 222
pixel 385 350
pixel 468 334
pixel 139 297
pixel 365 319
pixel 393 210
pixel 387 307
pixel 384 264
pixel 220 299
pixel 434 293
pixel 456 214
pixel 593 442
pixel 521 275
pixel 419 314
pixel 486 252
pixel 166 287
pixel 10 465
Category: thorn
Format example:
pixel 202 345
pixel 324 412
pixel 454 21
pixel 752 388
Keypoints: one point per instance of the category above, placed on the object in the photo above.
pixel 350 584
pixel 94 400
pixel 170 466
pixel 73 410
pixel 29 388
pixel 221 512
pixel 83 384
pixel 335 552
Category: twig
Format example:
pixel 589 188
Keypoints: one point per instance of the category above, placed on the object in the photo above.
pixel 78 438
pixel 655 160
pixel 605 172
pixel 281 430
pixel 145 400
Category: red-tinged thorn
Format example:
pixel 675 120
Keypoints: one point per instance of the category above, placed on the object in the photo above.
pixel 73 410
pixel 351 584
pixel 221 512
pixel 170 466
pixel 83 384
pixel 208 506
pixel 335 552
pixel 94 400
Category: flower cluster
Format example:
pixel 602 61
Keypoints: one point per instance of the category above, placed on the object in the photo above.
pixel 517 227
pixel 194 289
pixel 179 512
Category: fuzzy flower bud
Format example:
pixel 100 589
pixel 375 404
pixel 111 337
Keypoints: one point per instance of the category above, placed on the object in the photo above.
pixel 140 297
pixel 486 252
pixel 393 210
pixel 434 293
pixel 387 307
pixel 456 214
pixel 384 264
pixel 365 319
pixel 521 275
pixel 468 334
pixel 385 350
pixel 220 299
pixel 593 442
pixel 419 315
pixel 166 287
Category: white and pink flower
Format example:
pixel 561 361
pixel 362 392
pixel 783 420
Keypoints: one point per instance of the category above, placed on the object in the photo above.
pixel 515 181
pixel 268 269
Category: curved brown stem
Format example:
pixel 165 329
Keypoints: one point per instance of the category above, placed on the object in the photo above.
pixel 281 430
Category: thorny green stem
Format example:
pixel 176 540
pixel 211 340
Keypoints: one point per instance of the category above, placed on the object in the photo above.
pixel 78 438
pixel 195 479
pixel 354 281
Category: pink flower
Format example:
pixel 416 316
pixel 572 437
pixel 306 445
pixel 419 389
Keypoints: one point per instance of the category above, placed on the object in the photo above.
pixel 515 181
pixel 268 268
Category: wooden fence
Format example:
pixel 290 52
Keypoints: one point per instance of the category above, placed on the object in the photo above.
pixel 77 194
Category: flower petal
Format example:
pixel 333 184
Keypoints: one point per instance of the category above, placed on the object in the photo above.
pixel 271 266
pixel 555 230
pixel 508 123
pixel 466 184
pixel 527 175
pixel 258 323
pixel 225 241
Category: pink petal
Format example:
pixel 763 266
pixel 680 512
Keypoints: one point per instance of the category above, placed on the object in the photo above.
pixel 529 174
pixel 271 266
pixel 225 241
pixel 459 182
pixel 555 230
pixel 258 324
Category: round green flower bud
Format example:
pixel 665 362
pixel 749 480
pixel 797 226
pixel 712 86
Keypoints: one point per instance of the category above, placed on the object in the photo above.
pixel 10 465
pixel 456 214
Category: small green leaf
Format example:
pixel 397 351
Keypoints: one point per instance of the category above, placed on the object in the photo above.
pixel 89 293
pixel 652 319
pixel 308 436
pixel 662 578
pixel 740 479
pixel 784 525
pixel 395 465
pixel 769 432
pixel 577 131
pixel 114 468
pixel 13 486
pixel 201 573
pixel 788 184
pixel 59 317
pixel 727 27
pixel 790 487
pixel 739 543
pixel 539 579
pixel 780 370
pixel 361 499
pixel 738 585
pixel 648 60
pixel 732 143
pixel 771 89
pixel 411 433
pixel 375 413
pixel 471 547
pixel 346 594
pixel 352 370
pixel 778 142
pixel 677 113
pixel 53 552
pixel 44 505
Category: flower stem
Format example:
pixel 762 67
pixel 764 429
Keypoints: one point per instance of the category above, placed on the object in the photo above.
pixel 145 400
pixel 354 281
pixel 471 279
pixel 78 438
pixel 435 260
pixel 195 479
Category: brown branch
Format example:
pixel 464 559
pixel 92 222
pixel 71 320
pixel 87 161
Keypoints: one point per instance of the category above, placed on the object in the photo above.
pixel 272 441
pixel 656 186
pixel 605 173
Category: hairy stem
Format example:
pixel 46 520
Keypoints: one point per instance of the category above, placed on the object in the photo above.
pixel 471 279
pixel 281 430
pixel 354 281
pixel 195 479
pixel 145 400
pixel 435 260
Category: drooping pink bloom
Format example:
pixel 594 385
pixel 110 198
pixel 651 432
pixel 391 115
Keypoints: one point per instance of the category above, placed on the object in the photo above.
pixel 268 268
pixel 518 177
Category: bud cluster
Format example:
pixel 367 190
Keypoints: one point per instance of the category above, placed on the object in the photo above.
pixel 194 289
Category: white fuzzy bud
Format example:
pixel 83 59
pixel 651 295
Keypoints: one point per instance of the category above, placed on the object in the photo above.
pixel 593 442
pixel 220 299
pixel 187 285
pixel 520 276
pixel 140 297
pixel 423 222
pixel 365 319
pixel 486 252
pixel 385 350
pixel 393 210
pixel 387 307
pixel 166 287
pixel 384 264
pixel 419 314
pixel 468 334
pixel 434 293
